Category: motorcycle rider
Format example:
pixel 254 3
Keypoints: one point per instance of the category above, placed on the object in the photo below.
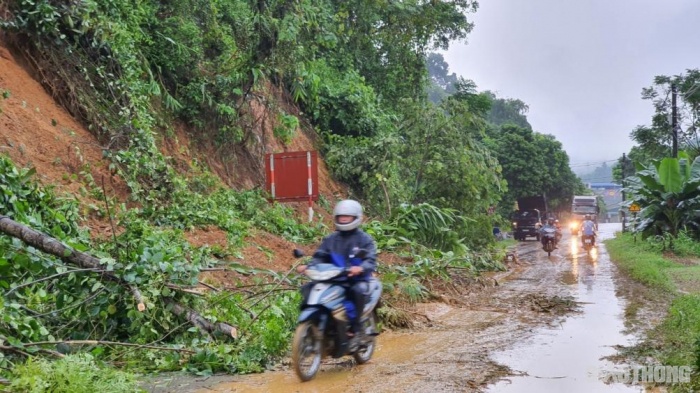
pixel 588 229
pixel 559 232
pixel 550 225
pixel 337 248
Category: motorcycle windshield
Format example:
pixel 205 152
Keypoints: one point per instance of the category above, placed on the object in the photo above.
pixel 323 272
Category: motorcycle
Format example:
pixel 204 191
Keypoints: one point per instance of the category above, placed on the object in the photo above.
pixel 323 325
pixel 549 240
pixel 587 243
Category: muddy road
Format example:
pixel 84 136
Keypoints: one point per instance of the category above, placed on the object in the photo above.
pixel 543 326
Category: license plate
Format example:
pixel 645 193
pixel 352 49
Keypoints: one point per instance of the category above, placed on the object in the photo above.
pixel 588 241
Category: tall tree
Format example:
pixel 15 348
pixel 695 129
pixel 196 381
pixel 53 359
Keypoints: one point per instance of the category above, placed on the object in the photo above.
pixel 601 174
pixel 655 140
pixel 508 111
pixel 388 42
pixel 534 164
pixel 442 83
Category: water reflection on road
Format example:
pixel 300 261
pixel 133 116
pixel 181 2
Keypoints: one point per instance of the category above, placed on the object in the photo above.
pixel 568 358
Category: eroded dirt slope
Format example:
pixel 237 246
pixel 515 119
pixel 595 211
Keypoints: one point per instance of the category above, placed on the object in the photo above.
pixel 37 132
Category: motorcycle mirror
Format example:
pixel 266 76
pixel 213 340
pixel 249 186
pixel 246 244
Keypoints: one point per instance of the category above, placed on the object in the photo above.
pixel 298 253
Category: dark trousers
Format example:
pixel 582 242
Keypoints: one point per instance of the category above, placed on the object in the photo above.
pixel 357 293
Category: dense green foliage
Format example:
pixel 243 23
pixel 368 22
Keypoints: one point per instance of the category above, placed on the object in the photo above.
pixel 506 111
pixel 357 69
pixel 72 374
pixel 665 186
pixel 668 193
pixel 47 300
pixel 539 166
pixel 359 73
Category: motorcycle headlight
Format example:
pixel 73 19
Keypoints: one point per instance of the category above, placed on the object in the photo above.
pixel 572 225
pixel 515 224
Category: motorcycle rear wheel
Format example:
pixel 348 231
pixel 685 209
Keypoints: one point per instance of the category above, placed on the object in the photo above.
pixel 306 351
pixel 364 354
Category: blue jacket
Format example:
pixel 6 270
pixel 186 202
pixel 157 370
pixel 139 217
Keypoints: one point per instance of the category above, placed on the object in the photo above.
pixel 337 247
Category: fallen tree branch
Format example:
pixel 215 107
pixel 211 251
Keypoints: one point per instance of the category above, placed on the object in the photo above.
pixel 276 287
pixel 84 301
pixel 200 322
pixel 13 349
pixel 223 269
pixel 116 343
pixel 49 278
pixel 213 288
pixel 52 246
pixel 140 304
pixel 271 291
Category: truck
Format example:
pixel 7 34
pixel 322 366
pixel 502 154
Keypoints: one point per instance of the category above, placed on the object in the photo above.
pixel 528 218
pixel 581 206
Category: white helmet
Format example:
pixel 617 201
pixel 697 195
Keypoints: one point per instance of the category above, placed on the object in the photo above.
pixel 348 207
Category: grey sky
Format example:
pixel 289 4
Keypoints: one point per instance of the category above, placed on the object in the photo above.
pixel 580 65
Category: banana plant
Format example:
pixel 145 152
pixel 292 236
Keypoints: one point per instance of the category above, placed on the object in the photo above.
pixel 668 191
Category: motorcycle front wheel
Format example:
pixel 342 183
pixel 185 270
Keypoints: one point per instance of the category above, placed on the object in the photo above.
pixel 306 351
pixel 364 354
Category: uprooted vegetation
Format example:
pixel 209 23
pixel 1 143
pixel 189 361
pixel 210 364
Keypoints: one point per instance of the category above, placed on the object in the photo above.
pixel 143 76
pixel 142 302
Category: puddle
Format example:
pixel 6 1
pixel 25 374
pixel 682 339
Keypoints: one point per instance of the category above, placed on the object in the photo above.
pixel 568 358
pixel 393 348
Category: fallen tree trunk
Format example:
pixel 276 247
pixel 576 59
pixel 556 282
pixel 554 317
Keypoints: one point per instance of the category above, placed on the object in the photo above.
pixel 52 246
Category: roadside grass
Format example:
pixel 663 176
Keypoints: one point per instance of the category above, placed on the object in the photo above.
pixel 676 340
pixel 686 279
pixel 643 265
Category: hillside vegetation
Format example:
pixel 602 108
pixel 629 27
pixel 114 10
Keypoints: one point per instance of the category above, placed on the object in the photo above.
pixel 173 106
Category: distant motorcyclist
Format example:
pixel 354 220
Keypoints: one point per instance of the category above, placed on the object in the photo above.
pixel 559 231
pixel 588 229
pixel 550 225
pixel 338 247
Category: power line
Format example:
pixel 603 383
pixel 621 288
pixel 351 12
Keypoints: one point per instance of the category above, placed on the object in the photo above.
pixel 591 163
pixel 607 179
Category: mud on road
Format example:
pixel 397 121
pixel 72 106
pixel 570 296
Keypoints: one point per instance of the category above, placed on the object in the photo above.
pixel 493 339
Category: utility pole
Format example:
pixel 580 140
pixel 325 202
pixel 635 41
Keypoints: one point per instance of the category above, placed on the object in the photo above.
pixel 674 120
pixel 622 209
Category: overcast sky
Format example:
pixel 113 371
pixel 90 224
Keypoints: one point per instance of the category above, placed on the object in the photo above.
pixel 580 65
